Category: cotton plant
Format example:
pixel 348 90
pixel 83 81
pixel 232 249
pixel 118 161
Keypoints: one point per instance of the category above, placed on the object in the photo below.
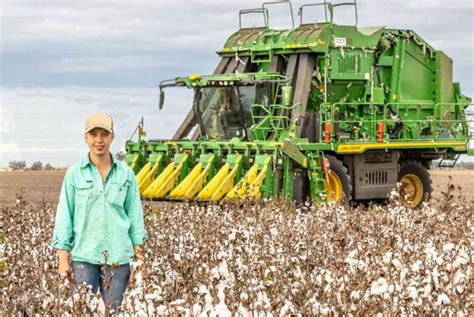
pixel 266 258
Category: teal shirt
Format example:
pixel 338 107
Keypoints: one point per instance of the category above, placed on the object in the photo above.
pixel 94 216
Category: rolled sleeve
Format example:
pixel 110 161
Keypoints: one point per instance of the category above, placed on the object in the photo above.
pixel 133 207
pixel 63 233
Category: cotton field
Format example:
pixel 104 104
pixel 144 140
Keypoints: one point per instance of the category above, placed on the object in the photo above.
pixel 263 259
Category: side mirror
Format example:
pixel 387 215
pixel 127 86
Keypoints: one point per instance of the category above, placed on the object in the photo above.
pixel 162 98
pixel 287 92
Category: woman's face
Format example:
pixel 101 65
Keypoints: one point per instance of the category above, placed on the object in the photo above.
pixel 99 141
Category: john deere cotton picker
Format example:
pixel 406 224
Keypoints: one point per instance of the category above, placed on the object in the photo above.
pixel 318 111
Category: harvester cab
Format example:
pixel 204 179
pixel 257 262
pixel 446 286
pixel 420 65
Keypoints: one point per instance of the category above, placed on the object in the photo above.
pixel 319 111
pixel 244 106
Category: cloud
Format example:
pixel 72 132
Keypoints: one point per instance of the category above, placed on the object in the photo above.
pixel 102 36
pixel 57 56
pixel 39 122
pixel 107 64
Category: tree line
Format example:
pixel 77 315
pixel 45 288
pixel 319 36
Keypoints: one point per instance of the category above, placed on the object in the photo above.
pixel 36 166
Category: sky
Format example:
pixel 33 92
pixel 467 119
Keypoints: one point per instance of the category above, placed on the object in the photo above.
pixel 62 60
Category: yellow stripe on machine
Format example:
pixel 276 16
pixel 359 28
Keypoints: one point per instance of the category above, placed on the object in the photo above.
pixel 213 185
pixel 361 148
pixel 256 185
pixel 198 184
pixel 227 184
pixel 251 183
pixel 241 188
pixel 156 184
pixel 146 181
pixel 143 172
pixel 169 183
pixel 185 185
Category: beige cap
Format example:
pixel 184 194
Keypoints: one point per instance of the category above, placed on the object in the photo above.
pixel 99 120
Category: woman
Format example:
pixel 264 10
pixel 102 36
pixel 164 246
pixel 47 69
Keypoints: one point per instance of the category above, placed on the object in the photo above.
pixel 99 219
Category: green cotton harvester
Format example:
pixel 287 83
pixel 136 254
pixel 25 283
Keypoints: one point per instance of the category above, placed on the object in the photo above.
pixel 316 112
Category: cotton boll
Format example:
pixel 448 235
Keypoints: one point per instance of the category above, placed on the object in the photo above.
pixel 162 310
pixel 379 286
pixel 196 309
pixel 153 296
pixel 461 259
pixel 391 288
pixel 435 276
pixel 220 292
pixel 100 306
pixel 412 292
pixel 136 264
pixel 449 267
pixel 243 311
pixel 403 274
pixel 207 301
pixel 439 260
pixel 459 290
pixel 459 277
pixel 427 290
pixel 178 302
pixel 387 257
pixel 325 311
pixel 448 247
pixel 244 296
pixel 284 310
pixel 339 299
pixel 221 255
pixel 214 274
pixel 416 266
pixel 222 310
pixel 443 299
pixel 223 269
pixel 202 290
pixel 46 302
pixel 355 295
pixel 397 264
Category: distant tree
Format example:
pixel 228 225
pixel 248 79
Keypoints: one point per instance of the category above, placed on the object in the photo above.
pixel 120 155
pixel 37 166
pixel 17 165
pixel 48 167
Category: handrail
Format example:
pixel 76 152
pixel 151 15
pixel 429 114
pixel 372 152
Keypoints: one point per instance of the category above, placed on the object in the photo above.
pixel 280 2
pixel 329 6
pixel 325 4
pixel 264 12
pixel 441 129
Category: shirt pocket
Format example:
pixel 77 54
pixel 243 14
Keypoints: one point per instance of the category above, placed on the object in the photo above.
pixel 84 194
pixel 117 193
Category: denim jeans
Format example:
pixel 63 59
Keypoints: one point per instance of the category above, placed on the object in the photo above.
pixel 96 276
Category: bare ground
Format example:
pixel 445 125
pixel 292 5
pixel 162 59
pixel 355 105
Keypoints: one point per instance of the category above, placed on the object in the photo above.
pixel 39 185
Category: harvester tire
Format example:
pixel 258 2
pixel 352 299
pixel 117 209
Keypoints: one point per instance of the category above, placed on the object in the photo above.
pixel 416 180
pixel 337 167
pixel 300 186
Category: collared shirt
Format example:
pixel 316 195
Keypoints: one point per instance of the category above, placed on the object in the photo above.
pixel 95 216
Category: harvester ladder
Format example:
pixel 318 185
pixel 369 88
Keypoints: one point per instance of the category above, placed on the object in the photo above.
pixel 449 162
pixel 470 124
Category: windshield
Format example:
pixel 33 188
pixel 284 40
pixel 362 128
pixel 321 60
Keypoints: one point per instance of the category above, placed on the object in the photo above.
pixel 226 112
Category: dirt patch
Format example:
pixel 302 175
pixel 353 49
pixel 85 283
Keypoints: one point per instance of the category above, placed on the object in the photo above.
pixel 37 185
pixel 464 179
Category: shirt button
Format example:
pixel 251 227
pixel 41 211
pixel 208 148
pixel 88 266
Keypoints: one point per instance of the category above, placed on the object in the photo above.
pixel 100 192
